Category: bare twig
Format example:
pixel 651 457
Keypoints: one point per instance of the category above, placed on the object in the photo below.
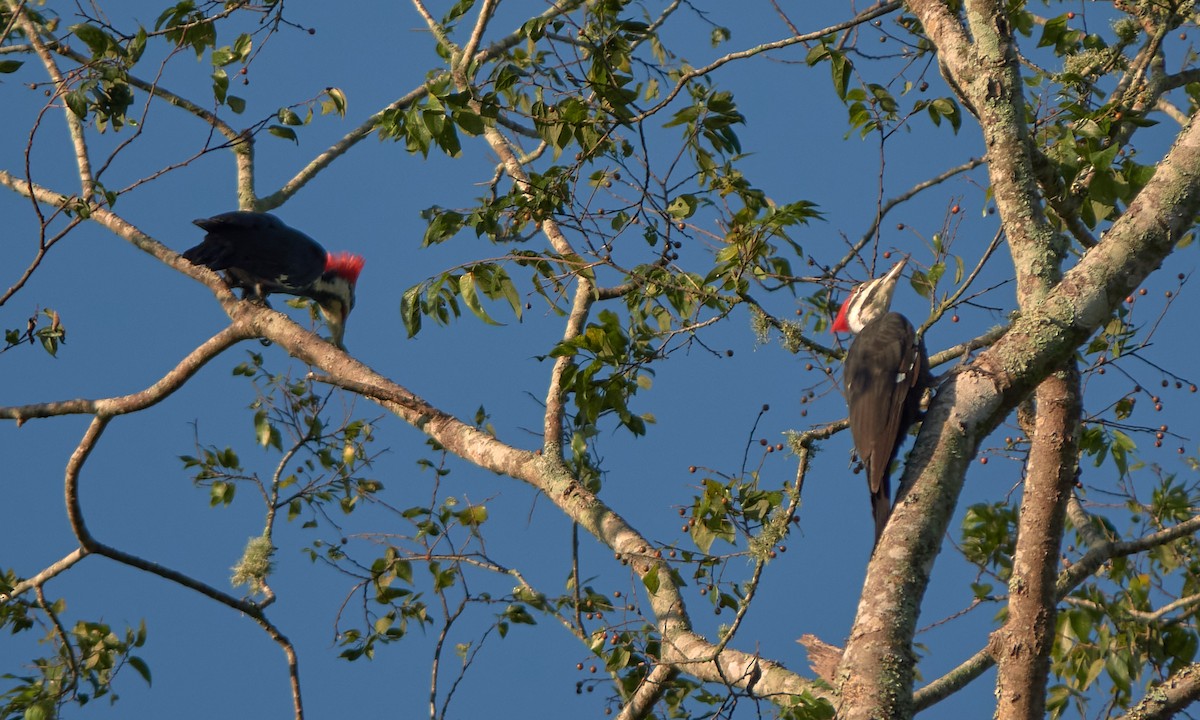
pixel 687 77
pixel 152 395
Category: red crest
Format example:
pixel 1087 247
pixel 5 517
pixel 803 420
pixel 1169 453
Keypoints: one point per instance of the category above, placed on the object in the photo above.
pixel 345 265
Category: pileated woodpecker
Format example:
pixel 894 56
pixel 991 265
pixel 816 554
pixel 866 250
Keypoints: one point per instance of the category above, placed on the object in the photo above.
pixel 885 373
pixel 262 255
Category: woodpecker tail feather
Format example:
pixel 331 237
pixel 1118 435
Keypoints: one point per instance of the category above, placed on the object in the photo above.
pixel 210 254
pixel 881 507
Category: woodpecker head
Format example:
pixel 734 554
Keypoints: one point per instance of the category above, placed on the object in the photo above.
pixel 334 291
pixel 868 301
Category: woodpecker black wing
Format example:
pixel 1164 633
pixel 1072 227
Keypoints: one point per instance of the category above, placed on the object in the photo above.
pixel 259 252
pixel 886 370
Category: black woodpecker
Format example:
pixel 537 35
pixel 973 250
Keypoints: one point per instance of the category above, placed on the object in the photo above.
pixel 885 373
pixel 262 255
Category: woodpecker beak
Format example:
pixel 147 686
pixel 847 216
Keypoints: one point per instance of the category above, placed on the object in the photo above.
pixel 335 314
pixel 894 274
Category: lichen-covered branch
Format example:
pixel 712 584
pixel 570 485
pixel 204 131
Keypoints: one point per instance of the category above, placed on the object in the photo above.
pixel 1168 698
pixel 878 661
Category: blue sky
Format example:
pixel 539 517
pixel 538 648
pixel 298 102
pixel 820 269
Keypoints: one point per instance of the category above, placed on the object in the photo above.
pixel 130 319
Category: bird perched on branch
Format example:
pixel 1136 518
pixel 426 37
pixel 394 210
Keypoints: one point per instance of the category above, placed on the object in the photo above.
pixel 262 255
pixel 885 373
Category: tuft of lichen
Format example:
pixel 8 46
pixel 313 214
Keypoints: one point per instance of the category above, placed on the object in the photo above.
pixel 763 544
pixel 1093 61
pixel 255 565
pixel 759 324
pixel 1126 30
pixel 792 333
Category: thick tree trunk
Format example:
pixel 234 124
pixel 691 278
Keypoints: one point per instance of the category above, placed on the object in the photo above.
pixel 1022 647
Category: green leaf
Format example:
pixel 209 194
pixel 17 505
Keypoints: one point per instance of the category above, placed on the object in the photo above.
pixel 50 343
pixel 841 69
pixel 410 310
pixel 142 668
pixel 227 458
pixel 442 579
pixel 96 39
pixel 703 536
pixel 650 580
pixel 682 207
pixel 220 84
pixel 1081 625
pixel 473 516
pixel 8 66
pixel 242 46
pixel 284 132
pixel 336 102
pixel 236 104
pixel 471 123
pixel 1118 670
pixel 617 659
pixel 508 291
pixel 78 103
pixel 920 283
pixel 223 56
pixel 37 711
pixel 1104 158
pixel 262 428
pixel 221 493
pixel 287 116
pixel 470 295
pixel 1123 409
pixel 443 225
pixel 459 9
pixel 1121 446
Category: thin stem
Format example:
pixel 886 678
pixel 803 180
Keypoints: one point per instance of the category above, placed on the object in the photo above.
pixel 87 182
pixel 154 394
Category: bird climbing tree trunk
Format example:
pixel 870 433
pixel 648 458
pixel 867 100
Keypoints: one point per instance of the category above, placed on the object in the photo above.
pixel 1057 314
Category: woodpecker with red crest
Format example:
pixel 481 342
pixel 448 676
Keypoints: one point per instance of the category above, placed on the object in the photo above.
pixel 885 373
pixel 262 255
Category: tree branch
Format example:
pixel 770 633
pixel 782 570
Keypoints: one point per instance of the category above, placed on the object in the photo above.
pixel 89 544
pixel 42 577
pixel 1066 582
pixel 371 124
pixel 882 8
pixel 548 474
pixel 152 395
pixel 1023 644
pixel 1169 697
pixel 972 403
pixel 648 692
pixel 87 183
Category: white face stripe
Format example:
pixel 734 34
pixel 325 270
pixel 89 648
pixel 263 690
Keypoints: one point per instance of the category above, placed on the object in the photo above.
pixel 872 298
